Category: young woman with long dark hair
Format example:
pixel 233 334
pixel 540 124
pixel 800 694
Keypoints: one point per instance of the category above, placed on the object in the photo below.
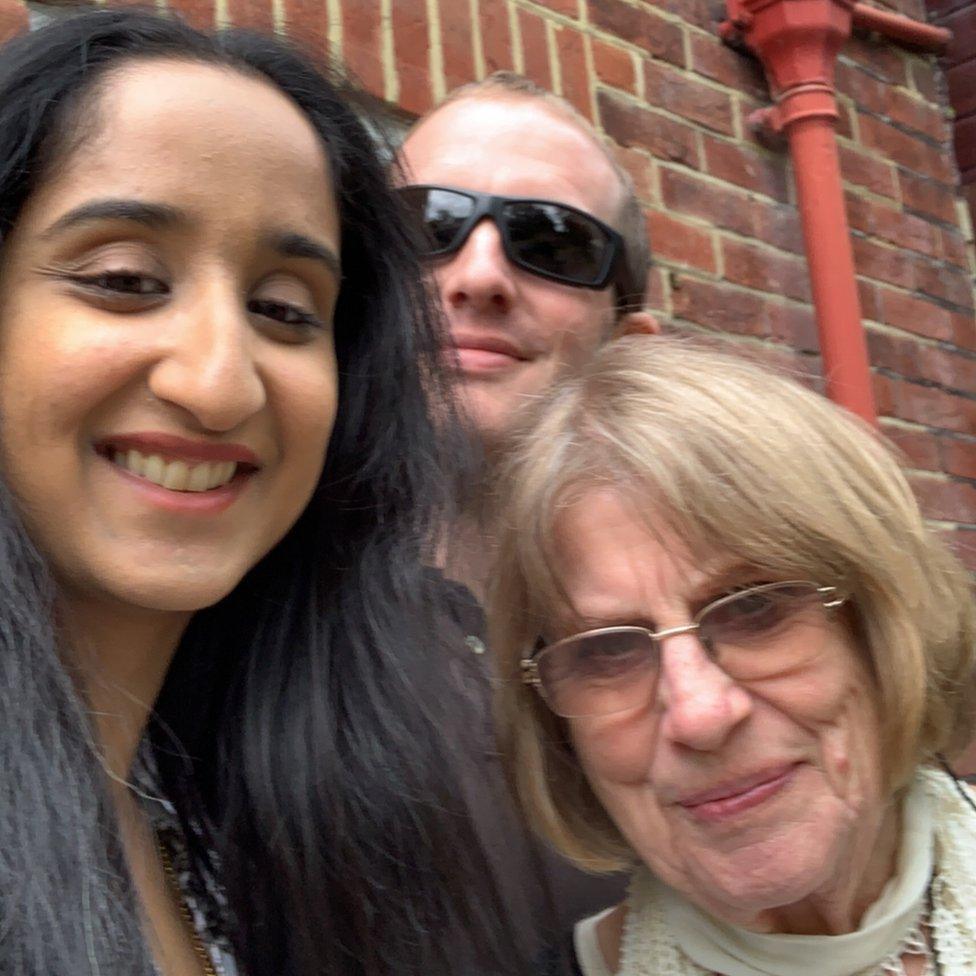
pixel 219 744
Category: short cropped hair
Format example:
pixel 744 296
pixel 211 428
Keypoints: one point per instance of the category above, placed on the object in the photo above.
pixel 734 459
pixel 629 221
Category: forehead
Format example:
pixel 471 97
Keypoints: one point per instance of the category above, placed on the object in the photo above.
pixel 614 555
pixel 512 146
pixel 205 138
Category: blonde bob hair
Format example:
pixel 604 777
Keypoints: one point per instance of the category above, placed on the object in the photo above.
pixel 737 460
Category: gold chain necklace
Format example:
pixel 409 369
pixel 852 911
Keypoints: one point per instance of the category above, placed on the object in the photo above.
pixel 173 881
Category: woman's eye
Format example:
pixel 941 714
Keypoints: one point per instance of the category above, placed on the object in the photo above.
pixel 284 313
pixel 125 283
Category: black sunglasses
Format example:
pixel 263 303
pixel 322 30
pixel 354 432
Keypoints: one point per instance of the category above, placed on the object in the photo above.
pixel 552 240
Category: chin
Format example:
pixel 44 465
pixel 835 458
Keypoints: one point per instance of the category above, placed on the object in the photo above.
pixel 768 877
pixel 173 593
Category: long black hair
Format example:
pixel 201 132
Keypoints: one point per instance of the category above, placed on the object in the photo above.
pixel 297 732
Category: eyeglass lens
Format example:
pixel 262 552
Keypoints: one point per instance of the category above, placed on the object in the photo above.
pixel 540 236
pixel 750 635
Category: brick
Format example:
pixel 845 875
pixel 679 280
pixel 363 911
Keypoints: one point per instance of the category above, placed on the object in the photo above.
pixel 869 298
pixel 746 167
pixel 926 405
pixel 966 144
pixel 892 352
pixel 794 325
pixel 411 41
pixel 575 76
pixel 916 315
pixel 456 43
pixel 765 270
pixel 361 29
pixel 951 501
pixel 885 391
pixel 919 448
pixel 779 225
pixel 569 8
pixel 883 263
pixel 14 19
pixel 701 13
pixel 958 457
pixel 719 306
pixel 641 170
pixel 640 26
pixel 893 225
pixel 905 149
pixel 926 80
pixel 496 38
pixel 949 369
pixel 955 249
pixel 918 115
pixel 614 66
pixel 252 14
pixel 728 209
pixel 927 197
pixel 963 331
pixel 879 57
pixel 878 176
pixel 201 14
pixel 633 125
pixel 535 48
pixel 713 59
pixel 679 243
pixel 945 282
pixel 864 90
pixel 683 95
pixel 922 362
pixel 962 87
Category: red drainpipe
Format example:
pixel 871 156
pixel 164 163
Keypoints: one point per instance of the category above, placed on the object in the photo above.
pixel 797 42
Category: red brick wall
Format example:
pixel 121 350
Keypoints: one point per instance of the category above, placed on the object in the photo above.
pixel 960 69
pixel 673 100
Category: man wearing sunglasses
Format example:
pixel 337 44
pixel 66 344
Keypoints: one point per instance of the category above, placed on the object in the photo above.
pixel 533 235
pixel 536 242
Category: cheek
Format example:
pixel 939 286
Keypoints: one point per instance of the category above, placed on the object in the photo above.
pixel 580 319
pixel 54 382
pixel 306 399
pixel 615 751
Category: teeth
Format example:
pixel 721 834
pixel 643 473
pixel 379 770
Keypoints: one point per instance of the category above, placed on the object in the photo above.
pixel 176 475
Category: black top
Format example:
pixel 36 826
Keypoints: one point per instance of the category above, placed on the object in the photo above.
pixel 544 895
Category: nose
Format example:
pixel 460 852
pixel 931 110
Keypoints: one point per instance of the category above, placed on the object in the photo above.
pixel 207 368
pixel 479 276
pixel 700 704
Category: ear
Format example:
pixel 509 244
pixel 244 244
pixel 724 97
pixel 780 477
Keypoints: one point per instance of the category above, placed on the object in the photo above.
pixel 637 323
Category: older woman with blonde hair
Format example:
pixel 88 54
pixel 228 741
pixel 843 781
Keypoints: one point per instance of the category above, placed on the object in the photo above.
pixel 737 657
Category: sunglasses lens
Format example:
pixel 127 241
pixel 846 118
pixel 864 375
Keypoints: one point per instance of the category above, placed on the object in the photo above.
pixel 548 238
pixel 440 216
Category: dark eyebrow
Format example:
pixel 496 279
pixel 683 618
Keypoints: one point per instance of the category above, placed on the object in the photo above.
pixel 292 245
pixel 137 211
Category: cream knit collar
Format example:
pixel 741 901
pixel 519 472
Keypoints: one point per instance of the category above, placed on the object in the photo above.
pixel 666 936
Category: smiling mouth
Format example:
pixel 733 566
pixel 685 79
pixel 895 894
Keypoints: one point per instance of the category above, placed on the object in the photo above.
pixel 175 474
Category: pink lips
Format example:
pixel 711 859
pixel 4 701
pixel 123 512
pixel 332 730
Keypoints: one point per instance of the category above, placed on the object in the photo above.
pixel 173 447
pixel 730 799
pixel 484 353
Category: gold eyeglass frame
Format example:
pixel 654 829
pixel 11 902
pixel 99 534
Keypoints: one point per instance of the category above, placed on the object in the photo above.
pixel 529 666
